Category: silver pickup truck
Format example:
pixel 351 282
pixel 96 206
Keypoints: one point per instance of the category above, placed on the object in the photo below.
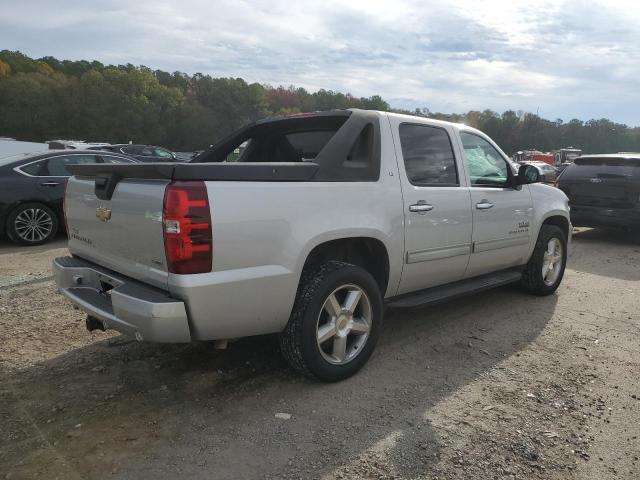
pixel 319 222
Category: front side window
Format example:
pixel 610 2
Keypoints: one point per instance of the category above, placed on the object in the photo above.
pixel 485 165
pixel 428 155
pixel 57 166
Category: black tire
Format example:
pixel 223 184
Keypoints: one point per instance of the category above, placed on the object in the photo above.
pixel 299 343
pixel 532 278
pixel 44 234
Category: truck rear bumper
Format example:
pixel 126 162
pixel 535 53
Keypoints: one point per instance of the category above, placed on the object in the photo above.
pixel 122 304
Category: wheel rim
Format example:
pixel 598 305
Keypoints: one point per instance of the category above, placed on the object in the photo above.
pixel 33 224
pixel 344 324
pixel 552 262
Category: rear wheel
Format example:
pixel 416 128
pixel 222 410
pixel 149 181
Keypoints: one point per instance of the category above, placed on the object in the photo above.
pixel 335 322
pixel 32 224
pixel 545 269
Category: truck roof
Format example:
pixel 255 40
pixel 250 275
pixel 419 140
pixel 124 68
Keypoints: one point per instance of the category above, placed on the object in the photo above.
pixel 347 112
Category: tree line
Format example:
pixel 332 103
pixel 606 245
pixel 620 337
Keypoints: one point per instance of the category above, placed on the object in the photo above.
pixel 46 98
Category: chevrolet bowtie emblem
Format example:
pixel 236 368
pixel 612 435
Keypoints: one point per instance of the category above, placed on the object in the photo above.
pixel 103 213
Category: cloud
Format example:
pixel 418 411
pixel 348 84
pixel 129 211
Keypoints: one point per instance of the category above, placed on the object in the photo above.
pixel 564 58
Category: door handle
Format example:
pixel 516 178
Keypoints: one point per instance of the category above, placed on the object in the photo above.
pixel 420 207
pixel 484 205
pixel 50 184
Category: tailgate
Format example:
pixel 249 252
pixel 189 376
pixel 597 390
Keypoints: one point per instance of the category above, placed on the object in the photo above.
pixel 123 233
pixel 114 211
pixel 598 186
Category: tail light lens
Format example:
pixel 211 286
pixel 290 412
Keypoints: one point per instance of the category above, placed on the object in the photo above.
pixel 186 219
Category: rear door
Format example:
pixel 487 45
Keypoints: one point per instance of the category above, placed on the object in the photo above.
pixel 437 207
pixel 501 214
pixel 53 175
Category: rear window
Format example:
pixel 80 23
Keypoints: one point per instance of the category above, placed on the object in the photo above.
pixel 592 168
pixel 609 161
pixel 309 144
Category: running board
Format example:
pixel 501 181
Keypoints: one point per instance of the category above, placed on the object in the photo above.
pixel 458 289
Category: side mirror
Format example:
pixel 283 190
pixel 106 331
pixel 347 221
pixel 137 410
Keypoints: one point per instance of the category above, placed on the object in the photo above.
pixel 528 174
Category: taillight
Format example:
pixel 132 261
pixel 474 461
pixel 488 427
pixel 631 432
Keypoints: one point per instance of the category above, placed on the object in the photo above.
pixel 186 220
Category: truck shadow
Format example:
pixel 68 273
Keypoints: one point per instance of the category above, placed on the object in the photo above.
pixel 607 253
pixel 120 409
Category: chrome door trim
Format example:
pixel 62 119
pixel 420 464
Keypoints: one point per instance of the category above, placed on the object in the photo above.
pixel 438 253
pixel 500 243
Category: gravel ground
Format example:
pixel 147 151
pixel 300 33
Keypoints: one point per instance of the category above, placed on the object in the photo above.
pixel 498 385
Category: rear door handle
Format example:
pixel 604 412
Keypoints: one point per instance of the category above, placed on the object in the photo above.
pixel 484 205
pixel 50 184
pixel 420 207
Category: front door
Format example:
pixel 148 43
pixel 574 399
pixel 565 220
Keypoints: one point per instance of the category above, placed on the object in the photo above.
pixel 437 206
pixel 501 213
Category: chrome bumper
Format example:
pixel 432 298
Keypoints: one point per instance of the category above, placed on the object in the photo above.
pixel 122 304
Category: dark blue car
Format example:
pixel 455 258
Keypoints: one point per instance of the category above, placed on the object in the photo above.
pixel 32 188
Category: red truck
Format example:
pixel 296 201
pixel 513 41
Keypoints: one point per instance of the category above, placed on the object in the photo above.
pixel 543 157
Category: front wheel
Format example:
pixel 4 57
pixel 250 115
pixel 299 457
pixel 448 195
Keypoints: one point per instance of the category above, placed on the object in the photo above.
pixel 335 322
pixel 544 272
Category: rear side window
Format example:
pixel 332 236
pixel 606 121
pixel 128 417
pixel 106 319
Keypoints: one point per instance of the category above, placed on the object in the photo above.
pixel 57 166
pixel 34 169
pixel 428 155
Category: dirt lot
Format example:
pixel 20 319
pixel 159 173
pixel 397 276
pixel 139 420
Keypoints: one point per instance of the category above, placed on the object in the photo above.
pixel 499 385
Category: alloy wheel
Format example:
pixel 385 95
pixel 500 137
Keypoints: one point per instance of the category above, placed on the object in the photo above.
pixel 33 225
pixel 552 262
pixel 344 324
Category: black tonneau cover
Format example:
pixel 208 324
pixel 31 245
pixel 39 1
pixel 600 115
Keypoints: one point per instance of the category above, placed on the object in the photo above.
pixel 247 172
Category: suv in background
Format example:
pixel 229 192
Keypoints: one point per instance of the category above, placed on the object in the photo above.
pixel 603 190
pixel 143 153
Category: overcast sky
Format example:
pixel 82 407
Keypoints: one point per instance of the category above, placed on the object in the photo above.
pixel 563 59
